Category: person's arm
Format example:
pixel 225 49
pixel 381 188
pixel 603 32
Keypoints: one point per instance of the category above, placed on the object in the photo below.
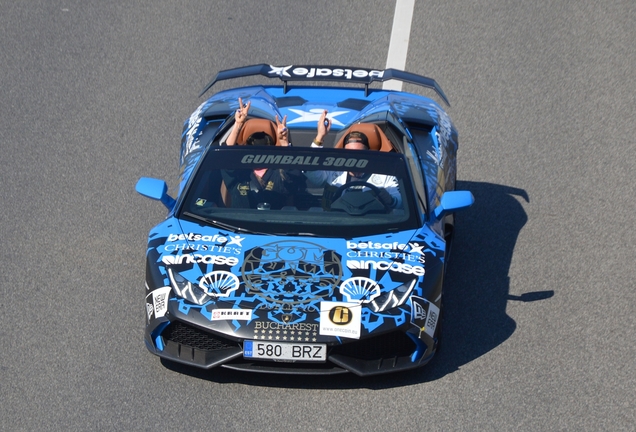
pixel 317 178
pixel 390 185
pixel 320 178
pixel 324 125
pixel 239 119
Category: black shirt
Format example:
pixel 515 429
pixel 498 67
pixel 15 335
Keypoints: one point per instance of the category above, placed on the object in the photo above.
pixel 276 188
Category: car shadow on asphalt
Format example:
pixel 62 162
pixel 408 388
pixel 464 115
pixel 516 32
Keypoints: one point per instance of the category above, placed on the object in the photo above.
pixel 476 292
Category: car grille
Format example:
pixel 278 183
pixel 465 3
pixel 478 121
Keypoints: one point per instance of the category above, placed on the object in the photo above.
pixel 395 344
pixel 188 344
pixel 193 337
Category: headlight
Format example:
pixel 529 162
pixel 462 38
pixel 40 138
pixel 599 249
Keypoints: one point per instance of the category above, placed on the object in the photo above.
pixel 186 290
pixel 393 298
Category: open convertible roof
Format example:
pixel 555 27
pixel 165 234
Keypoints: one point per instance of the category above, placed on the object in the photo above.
pixel 327 73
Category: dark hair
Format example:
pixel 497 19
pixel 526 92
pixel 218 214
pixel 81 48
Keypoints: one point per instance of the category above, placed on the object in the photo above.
pixel 260 139
pixel 359 137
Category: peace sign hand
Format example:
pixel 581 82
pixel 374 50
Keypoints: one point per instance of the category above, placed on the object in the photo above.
pixel 241 112
pixel 281 129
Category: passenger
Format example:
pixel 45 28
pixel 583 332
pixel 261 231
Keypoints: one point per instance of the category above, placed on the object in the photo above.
pixel 389 190
pixel 258 138
pixel 261 188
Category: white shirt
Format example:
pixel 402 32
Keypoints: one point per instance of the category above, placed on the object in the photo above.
pixel 336 178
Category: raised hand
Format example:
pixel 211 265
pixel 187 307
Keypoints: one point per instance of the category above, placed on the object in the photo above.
pixel 239 118
pixel 324 125
pixel 241 112
pixel 283 133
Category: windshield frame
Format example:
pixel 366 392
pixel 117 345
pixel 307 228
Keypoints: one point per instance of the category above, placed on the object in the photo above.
pixel 331 224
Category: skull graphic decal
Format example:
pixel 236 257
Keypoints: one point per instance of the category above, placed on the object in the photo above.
pixel 291 274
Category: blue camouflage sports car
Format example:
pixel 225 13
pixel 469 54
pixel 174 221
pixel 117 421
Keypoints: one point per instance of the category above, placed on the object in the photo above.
pixel 307 258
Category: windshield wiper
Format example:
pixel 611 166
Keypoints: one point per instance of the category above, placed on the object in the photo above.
pixel 222 225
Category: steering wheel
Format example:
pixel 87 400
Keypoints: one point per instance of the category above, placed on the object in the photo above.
pixel 357 183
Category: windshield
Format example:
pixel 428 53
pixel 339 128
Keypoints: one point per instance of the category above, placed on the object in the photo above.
pixel 301 191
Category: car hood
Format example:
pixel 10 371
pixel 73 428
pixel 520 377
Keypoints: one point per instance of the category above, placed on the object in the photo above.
pixel 282 279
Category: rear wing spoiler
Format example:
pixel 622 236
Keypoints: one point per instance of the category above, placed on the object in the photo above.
pixel 327 73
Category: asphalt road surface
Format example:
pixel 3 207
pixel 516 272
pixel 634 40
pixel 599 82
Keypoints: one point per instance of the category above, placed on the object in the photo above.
pixel 540 327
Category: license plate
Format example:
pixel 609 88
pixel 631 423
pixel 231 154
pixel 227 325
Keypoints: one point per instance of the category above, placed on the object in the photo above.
pixel 284 351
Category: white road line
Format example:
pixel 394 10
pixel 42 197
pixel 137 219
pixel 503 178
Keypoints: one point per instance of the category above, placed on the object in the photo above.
pixel 399 45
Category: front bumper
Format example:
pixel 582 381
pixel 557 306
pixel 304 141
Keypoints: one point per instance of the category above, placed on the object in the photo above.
pixel 394 351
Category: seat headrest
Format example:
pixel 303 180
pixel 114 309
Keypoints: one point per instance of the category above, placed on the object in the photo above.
pixel 377 138
pixel 255 125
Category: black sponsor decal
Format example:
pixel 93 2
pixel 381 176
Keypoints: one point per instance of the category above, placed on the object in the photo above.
pixel 340 315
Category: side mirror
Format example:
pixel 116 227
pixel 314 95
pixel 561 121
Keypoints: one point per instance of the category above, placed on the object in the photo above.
pixel 155 189
pixel 452 201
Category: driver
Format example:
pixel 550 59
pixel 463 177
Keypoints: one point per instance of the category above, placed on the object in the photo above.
pixel 389 190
